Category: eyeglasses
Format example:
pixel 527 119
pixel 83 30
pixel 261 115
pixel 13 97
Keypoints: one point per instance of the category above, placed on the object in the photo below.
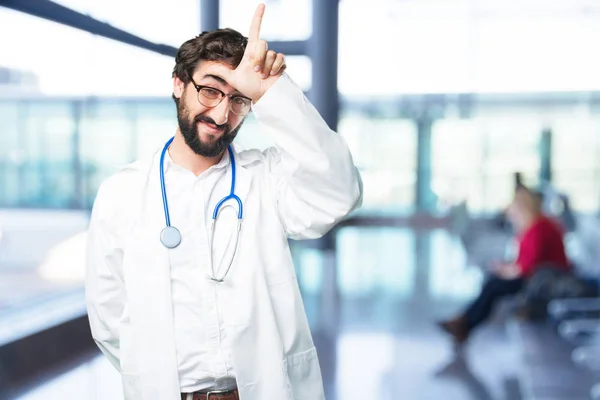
pixel 211 97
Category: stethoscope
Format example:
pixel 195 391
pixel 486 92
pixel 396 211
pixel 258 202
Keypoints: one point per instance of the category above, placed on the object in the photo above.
pixel 170 236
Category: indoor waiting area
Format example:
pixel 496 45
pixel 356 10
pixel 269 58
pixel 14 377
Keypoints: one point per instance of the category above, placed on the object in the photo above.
pixel 468 270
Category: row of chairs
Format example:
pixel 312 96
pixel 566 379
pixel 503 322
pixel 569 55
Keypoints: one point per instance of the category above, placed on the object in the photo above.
pixel 578 322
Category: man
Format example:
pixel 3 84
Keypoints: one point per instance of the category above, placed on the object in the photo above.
pixel 540 244
pixel 183 306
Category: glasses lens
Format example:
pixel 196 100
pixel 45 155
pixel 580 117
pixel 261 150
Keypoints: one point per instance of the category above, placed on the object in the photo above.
pixel 240 105
pixel 209 97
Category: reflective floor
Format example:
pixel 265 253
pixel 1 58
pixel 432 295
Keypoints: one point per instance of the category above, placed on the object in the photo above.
pixel 375 329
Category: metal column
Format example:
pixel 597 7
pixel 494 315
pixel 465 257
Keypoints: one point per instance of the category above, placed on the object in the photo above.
pixel 546 157
pixel 323 51
pixel 209 15
pixel 425 200
pixel 78 200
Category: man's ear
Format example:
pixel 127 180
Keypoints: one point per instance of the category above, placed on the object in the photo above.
pixel 178 86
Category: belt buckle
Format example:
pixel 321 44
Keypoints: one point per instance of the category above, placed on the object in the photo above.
pixel 208 394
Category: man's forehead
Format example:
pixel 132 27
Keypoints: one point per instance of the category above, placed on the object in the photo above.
pixel 214 71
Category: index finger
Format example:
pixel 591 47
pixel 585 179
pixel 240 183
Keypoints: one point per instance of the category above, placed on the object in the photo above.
pixel 253 36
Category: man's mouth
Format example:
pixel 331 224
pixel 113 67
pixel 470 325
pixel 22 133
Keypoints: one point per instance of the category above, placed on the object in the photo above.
pixel 211 128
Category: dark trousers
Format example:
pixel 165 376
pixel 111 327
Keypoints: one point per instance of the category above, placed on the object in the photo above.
pixel 493 290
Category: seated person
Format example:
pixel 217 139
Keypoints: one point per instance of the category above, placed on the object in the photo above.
pixel 540 243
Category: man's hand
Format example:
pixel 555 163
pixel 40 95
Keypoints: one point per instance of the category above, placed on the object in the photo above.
pixel 260 67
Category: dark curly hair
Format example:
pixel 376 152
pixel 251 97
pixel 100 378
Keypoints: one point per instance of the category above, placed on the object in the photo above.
pixel 221 45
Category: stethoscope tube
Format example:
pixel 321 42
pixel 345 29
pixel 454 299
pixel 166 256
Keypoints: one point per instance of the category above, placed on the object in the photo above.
pixel 170 236
pixel 232 195
pixel 162 181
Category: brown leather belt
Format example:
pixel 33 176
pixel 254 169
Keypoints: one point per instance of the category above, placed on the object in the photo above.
pixel 212 395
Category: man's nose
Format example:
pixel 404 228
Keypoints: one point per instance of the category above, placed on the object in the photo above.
pixel 220 113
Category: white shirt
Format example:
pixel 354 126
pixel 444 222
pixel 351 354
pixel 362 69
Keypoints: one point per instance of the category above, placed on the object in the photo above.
pixel 202 344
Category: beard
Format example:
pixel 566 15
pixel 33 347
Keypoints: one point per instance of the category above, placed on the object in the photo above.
pixel 189 130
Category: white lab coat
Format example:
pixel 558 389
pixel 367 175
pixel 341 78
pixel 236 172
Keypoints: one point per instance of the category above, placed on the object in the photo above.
pixel 299 189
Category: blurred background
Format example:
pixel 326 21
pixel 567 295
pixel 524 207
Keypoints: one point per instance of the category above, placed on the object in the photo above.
pixel 442 103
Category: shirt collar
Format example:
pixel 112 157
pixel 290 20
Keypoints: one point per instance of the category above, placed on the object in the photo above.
pixel 170 164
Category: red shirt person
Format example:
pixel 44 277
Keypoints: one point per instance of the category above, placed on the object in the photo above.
pixel 540 245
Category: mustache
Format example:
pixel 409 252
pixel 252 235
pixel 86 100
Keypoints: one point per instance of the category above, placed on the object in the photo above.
pixel 204 118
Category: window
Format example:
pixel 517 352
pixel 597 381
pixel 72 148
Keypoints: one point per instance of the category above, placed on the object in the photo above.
pixel 386 154
pixel 475 159
pixel 576 155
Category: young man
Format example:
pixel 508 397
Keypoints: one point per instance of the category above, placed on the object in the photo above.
pixel 540 244
pixel 184 306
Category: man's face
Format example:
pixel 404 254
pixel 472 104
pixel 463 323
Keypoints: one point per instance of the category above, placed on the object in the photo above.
pixel 207 130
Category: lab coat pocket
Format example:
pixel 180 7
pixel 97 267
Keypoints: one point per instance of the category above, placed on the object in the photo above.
pixel 131 386
pixel 304 374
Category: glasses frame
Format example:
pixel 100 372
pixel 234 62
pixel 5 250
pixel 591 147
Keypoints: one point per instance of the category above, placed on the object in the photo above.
pixel 223 95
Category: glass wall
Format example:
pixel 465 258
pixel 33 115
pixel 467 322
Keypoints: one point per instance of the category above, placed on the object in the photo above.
pixel 384 149
pixel 64 146
pixel 475 159
pixel 56 151
pixel 576 158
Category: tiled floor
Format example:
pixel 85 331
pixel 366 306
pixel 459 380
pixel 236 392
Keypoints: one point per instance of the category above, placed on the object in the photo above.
pixel 375 329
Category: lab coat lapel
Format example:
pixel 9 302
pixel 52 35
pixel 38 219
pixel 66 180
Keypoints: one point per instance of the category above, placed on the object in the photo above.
pixel 149 291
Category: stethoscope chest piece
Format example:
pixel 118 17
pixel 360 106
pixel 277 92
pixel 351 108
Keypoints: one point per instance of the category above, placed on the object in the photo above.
pixel 170 237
